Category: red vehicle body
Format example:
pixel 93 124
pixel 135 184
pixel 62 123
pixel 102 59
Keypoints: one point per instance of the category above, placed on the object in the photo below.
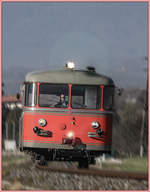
pixel 79 131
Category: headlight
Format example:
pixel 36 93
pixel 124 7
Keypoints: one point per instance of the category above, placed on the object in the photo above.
pixel 70 135
pixel 95 124
pixel 42 122
pixel 70 65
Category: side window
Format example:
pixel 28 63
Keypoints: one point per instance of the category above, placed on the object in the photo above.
pixel 108 98
pixel 30 94
pixel 22 91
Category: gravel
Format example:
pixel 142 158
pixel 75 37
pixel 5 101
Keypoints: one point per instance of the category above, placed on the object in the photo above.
pixel 25 176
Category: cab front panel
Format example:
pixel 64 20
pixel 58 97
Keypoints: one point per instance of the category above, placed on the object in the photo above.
pixel 71 113
pixel 69 126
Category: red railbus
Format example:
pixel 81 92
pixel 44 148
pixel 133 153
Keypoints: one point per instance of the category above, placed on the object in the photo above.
pixel 67 115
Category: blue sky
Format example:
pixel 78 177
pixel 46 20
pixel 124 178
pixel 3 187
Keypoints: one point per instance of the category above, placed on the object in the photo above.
pixel 113 37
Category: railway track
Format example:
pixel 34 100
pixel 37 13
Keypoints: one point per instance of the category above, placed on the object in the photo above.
pixel 95 172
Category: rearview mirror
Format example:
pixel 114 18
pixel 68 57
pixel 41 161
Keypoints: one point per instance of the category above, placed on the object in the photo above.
pixel 118 91
pixel 18 96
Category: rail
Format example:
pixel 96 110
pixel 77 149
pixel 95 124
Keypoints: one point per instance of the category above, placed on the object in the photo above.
pixel 95 172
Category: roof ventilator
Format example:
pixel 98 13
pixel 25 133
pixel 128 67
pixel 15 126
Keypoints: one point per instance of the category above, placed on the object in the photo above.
pixel 91 69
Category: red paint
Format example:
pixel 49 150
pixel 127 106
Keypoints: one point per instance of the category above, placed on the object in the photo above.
pixel 61 124
pixel 69 106
pixel 37 94
pixel 102 91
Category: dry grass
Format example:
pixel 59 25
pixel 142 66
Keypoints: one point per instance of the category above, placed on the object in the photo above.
pixel 22 175
pixel 131 164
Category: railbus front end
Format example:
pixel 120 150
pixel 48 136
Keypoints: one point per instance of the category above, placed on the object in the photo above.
pixel 67 115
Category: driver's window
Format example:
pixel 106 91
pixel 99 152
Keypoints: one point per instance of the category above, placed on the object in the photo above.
pixel 53 95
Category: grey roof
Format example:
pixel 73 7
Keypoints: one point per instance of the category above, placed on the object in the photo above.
pixel 69 76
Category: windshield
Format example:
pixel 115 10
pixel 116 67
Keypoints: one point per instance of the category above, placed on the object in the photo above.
pixel 51 95
pixel 85 97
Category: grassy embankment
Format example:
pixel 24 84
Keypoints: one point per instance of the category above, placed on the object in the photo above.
pixel 130 164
